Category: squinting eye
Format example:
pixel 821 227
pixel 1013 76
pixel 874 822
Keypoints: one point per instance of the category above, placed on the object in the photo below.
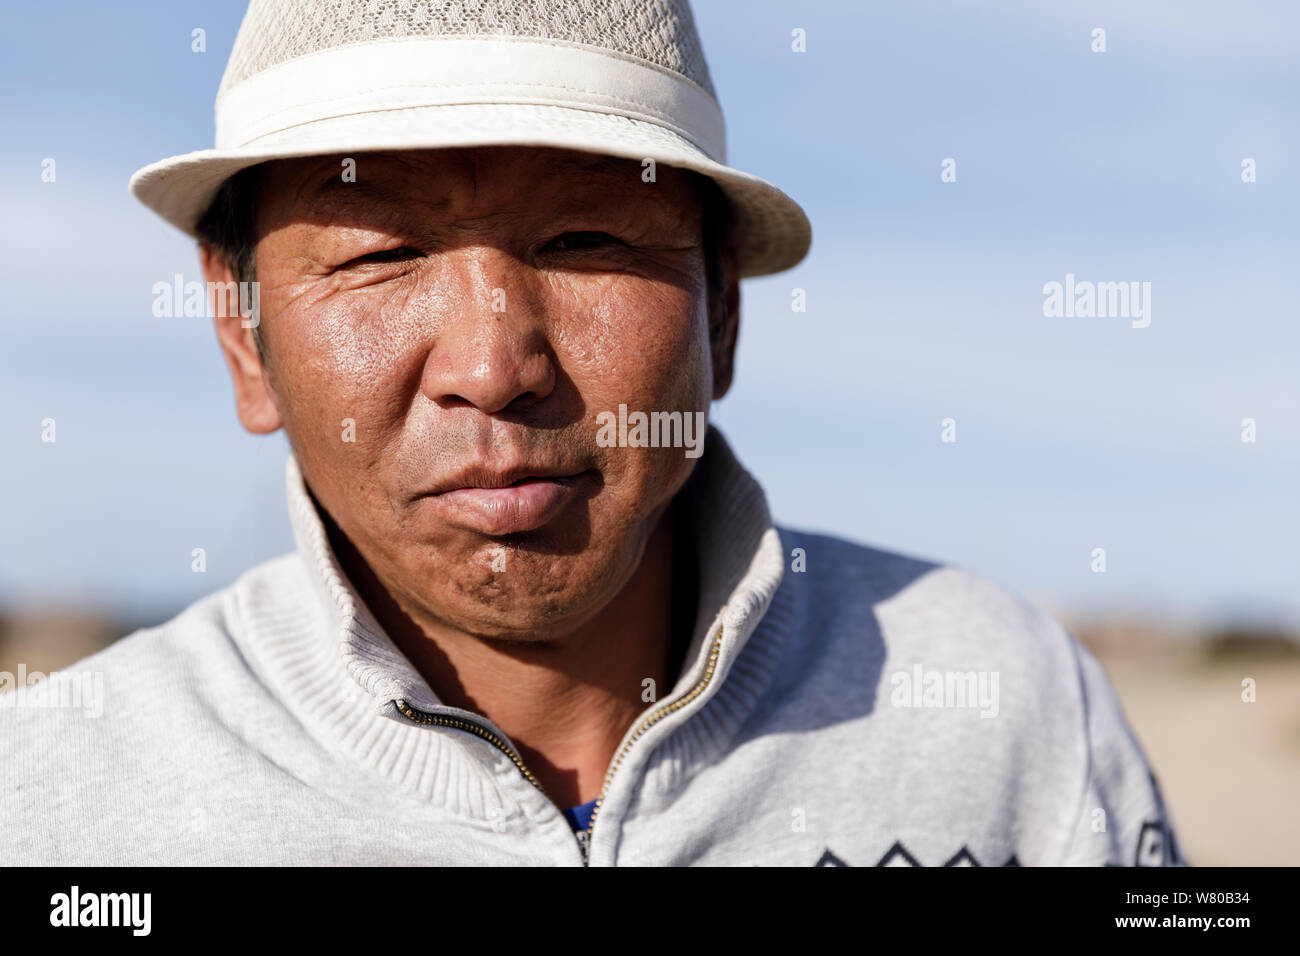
pixel 387 255
pixel 581 240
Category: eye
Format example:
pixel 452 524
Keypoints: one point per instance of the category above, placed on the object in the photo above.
pixel 577 241
pixel 400 254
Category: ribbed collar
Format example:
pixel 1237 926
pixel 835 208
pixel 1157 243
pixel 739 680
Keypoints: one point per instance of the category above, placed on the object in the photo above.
pixel 335 660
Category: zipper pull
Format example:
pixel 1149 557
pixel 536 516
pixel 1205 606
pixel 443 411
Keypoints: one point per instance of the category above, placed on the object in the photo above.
pixel 584 838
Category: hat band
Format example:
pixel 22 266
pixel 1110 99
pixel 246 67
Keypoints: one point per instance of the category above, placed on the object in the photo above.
pixel 401 74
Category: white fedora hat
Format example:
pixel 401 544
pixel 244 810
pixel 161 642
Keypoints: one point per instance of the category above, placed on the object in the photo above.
pixel 624 78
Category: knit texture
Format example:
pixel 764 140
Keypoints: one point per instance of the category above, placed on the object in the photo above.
pixel 263 725
pixel 661 32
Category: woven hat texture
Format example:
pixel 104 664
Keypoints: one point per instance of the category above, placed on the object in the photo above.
pixel 625 78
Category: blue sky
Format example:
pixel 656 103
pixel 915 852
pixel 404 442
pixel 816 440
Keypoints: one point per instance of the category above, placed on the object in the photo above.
pixel 924 300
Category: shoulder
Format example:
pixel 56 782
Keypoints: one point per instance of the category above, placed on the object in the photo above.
pixel 964 669
pixel 922 652
pixel 923 608
pixel 158 663
pixel 117 727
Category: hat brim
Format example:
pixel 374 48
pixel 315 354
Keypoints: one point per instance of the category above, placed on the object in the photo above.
pixel 772 233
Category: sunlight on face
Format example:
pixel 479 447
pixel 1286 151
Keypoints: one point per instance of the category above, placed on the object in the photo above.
pixel 471 312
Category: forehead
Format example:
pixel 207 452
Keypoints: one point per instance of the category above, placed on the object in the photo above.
pixel 469 182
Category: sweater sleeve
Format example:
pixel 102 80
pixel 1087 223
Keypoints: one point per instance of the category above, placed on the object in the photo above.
pixel 1121 819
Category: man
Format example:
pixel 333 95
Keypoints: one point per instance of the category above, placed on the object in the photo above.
pixel 537 615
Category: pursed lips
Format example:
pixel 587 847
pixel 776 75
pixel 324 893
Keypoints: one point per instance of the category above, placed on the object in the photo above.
pixel 500 502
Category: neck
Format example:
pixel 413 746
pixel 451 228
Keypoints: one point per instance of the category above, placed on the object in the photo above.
pixel 565 704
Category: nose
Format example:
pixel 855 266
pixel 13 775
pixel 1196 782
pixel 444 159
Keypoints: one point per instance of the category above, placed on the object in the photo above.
pixel 491 350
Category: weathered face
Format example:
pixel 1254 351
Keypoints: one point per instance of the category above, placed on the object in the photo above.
pixel 442 334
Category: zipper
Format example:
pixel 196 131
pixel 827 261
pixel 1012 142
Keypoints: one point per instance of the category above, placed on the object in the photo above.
pixel 645 725
pixel 583 837
pixel 438 720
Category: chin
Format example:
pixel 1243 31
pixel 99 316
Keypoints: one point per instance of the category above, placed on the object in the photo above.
pixel 532 598
pixel 527 622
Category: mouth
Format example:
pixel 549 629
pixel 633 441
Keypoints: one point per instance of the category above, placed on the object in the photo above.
pixel 500 503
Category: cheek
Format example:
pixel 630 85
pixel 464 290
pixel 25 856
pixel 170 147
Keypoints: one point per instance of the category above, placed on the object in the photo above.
pixel 645 346
pixel 354 358
pixel 648 349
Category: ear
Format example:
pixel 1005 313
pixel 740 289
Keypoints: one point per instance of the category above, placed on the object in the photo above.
pixel 254 400
pixel 724 324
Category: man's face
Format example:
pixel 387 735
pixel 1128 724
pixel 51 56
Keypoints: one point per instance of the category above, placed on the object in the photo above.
pixel 442 334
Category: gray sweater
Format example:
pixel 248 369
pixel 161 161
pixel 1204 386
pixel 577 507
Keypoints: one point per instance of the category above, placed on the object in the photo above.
pixel 838 705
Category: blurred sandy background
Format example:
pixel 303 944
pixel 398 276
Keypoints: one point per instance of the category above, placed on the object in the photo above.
pixel 1229 770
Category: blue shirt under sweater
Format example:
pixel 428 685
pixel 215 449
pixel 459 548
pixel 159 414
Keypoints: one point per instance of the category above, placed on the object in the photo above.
pixel 580 817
